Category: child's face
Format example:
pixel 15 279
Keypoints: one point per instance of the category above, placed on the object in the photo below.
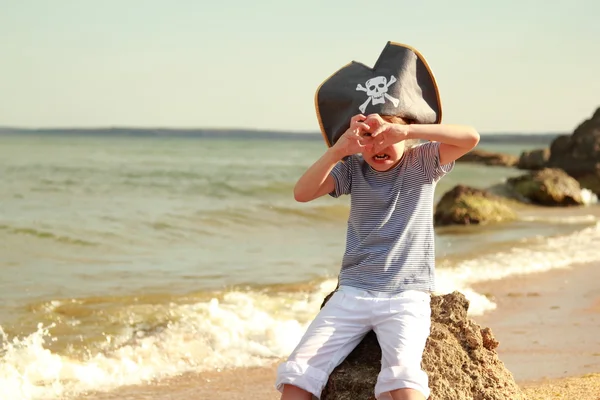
pixel 385 159
pixel 391 155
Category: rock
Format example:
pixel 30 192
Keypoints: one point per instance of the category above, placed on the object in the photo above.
pixel 579 154
pixel 590 181
pixel 534 159
pixel 548 187
pixel 488 158
pixel 460 359
pixel 463 205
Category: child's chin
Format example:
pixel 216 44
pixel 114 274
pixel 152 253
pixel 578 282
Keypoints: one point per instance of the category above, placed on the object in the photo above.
pixel 381 166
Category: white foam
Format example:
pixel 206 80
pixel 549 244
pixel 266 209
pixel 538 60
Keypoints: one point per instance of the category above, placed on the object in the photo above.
pixel 534 256
pixel 573 219
pixel 588 197
pixel 242 329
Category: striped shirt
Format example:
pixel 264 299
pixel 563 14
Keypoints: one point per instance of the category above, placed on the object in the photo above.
pixel 390 244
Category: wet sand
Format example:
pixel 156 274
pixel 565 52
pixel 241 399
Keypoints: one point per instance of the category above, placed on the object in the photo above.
pixel 548 325
pixel 234 384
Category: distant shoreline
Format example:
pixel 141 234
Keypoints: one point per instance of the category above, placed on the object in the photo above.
pixel 542 138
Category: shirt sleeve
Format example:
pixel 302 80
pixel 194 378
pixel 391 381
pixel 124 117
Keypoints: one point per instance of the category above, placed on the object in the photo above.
pixel 342 176
pixel 428 155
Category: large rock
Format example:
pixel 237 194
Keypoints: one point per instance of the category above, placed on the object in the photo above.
pixel 488 158
pixel 534 159
pixel 460 359
pixel 464 205
pixel 579 154
pixel 548 187
pixel 590 181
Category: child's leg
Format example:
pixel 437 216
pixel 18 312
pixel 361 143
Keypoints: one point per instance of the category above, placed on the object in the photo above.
pixel 402 326
pixel 335 332
pixel 406 394
pixel 291 392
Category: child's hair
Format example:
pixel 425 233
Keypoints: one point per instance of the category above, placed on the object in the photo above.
pixel 397 120
pixel 402 121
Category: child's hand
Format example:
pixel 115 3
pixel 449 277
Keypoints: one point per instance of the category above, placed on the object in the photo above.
pixel 354 140
pixel 384 133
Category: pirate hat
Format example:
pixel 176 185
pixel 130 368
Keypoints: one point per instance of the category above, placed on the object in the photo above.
pixel 400 84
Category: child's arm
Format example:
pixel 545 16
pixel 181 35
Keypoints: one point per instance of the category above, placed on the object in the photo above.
pixel 317 181
pixel 455 140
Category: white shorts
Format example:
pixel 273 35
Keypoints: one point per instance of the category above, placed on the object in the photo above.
pixel 402 323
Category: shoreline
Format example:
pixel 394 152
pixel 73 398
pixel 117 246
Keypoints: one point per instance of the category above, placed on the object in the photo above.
pixel 547 324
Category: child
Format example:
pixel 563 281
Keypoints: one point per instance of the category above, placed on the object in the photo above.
pixel 387 270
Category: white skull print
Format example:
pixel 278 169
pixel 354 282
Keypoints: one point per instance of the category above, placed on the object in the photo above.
pixel 377 90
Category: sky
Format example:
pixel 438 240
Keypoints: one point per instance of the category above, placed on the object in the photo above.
pixel 501 66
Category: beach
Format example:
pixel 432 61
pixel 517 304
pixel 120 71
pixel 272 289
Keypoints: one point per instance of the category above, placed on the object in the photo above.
pixel 155 241
pixel 547 325
pixel 155 268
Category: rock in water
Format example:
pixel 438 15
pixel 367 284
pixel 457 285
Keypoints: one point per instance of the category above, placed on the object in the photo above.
pixel 489 158
pixel 460 359
pixel 534 160
pixel 548 187
pixel 463 205
pixel 579 154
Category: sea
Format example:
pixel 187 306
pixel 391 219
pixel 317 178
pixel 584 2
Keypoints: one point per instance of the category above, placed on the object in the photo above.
pixel 131 256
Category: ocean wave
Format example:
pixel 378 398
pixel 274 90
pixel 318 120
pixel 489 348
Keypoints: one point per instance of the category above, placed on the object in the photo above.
pixel 235 329
pixel 42 234
pixel 250 189
pixel 335 212
pixel 533 255
pixel 202 183
pixel 271 214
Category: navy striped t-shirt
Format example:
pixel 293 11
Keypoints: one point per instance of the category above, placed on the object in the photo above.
pixel 390 239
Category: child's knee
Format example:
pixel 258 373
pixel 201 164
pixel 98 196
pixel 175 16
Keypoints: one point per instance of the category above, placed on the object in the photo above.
pixel 405 394
pixel 304 377
pixel 401 377
pixel 291 392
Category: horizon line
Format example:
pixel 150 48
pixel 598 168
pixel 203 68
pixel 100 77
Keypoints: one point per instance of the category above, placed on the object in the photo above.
pixel 233 129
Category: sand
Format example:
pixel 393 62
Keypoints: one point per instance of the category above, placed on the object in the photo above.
pixel 586 387
pixel 548 325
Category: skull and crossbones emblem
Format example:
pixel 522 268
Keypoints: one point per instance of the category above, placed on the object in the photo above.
pixel 377 90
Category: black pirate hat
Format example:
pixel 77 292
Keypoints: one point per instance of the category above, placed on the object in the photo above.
pixel 400 84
